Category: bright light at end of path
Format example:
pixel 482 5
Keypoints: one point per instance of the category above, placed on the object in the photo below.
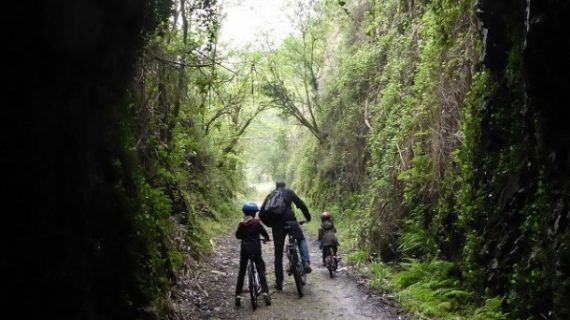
pixel 251 22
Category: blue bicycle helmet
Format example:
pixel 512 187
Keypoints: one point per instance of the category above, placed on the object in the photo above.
pixel 250 207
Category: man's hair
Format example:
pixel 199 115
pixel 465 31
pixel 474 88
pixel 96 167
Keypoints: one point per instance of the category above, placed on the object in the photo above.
pixel 280 184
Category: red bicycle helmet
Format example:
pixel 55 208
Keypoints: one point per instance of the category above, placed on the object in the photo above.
pixel 325 216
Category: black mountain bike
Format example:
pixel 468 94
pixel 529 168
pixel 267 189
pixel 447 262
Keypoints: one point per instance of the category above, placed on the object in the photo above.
pixel 295 264
pixel 254 284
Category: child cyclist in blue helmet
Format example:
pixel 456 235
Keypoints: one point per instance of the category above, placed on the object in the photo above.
pixel 248 232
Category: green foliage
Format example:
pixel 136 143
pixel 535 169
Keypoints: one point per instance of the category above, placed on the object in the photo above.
pixel 431 164
pixel 183 154
pixel 416 241
pixel 491 310
pixel 429 289
pixel 381 276
pixel 401 109
pixel 358 257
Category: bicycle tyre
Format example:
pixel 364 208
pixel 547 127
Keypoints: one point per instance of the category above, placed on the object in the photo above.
pixel 297 275
pixel 330 265
pixel 330 261
pixel 335 263
pixel 252 285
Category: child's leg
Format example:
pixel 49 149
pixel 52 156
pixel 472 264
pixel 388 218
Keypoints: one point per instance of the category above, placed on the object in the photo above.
pixel 262 269
pixel 260 265
pixel 241 274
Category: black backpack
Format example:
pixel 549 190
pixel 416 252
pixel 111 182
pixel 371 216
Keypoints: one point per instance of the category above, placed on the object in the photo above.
pixel 274 208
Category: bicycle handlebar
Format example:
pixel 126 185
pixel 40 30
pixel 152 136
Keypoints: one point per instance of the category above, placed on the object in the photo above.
pixel 288 224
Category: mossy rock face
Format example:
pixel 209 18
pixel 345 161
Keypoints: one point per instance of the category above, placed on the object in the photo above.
pixel 525 183
pixel 494 197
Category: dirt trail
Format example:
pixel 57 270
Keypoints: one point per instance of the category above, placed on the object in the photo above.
pixel 209 294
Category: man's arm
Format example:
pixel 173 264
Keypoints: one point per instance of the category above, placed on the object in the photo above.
pixel 301 205
pixel 263 232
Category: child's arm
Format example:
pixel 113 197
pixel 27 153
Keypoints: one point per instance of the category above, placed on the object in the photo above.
pixel 239 233
pixel 263 232
pixel 320 234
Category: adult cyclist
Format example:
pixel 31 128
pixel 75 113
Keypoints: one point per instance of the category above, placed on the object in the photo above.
pixel 279 234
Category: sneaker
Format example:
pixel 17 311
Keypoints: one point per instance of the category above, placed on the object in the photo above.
pixel 307 267
pixel 278 286
pixel 266 298
pixel 238 301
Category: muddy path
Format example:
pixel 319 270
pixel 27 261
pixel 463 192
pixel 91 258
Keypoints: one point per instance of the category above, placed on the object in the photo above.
pixel 208 294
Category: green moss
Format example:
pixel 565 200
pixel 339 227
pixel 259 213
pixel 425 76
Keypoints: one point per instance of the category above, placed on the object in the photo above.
pixel 452 170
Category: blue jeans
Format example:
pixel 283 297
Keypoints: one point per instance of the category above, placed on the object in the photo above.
pixel 304 249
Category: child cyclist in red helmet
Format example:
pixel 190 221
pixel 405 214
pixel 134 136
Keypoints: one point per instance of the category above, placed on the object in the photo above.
pixel 248 232
pixel 327 234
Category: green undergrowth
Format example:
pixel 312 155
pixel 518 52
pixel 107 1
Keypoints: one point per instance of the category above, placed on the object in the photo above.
pixel 221 226
pixel 400 185
pixel 428 289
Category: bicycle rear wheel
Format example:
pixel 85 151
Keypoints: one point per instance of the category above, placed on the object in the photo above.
pixel 252 285
pixel 330 265
pixel 330 262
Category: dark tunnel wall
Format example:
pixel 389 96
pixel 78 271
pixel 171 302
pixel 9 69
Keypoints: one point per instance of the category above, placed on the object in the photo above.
pixel 68 233
pixel 523 218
